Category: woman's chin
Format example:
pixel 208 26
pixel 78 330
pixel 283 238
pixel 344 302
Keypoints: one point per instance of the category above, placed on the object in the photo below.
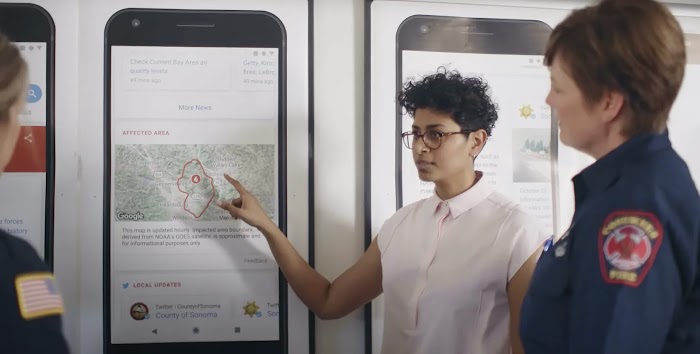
pixel 425 176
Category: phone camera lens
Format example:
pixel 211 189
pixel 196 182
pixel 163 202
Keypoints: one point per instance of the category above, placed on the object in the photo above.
pixel 135 22
pixel 424 29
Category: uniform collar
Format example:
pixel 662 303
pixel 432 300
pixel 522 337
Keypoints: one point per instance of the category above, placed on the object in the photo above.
pixel 605 171
pixel 464 201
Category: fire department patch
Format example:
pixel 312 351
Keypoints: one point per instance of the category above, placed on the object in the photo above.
pixel 627 246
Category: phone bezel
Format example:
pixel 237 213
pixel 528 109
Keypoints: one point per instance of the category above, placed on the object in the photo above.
pixel 194 28
pixel 14 18
pixel 482 36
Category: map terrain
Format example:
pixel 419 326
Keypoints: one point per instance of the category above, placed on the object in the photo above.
pixel 183 182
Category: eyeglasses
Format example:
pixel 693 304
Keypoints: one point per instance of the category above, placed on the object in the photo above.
pixel 431 139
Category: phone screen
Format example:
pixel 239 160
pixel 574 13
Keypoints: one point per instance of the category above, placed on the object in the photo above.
pixel 23 184
pixel 519 157
pixel 26 186
pixel 181 269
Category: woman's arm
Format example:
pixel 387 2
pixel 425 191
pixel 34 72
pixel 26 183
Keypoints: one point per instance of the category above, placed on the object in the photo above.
pixel 517 287
pixel 355 287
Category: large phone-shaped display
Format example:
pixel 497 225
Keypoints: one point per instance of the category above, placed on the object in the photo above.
pixel 26 187
pixel 519 159
pixel 191 95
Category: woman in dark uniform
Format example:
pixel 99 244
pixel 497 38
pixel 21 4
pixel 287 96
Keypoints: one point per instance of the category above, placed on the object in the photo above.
pixel 624 278
pixel 31 307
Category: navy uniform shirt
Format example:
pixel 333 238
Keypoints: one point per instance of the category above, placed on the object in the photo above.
pixel 30 305
pixel 624 278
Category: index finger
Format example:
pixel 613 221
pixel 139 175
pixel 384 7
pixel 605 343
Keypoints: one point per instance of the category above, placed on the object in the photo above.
pixel 235 184
pixel 228 206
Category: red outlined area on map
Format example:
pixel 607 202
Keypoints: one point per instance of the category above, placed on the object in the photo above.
pixel 193 181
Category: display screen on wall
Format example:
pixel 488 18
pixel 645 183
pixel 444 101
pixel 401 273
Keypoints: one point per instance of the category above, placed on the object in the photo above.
pixel 188 103
pixel 520 157
pixel 26 186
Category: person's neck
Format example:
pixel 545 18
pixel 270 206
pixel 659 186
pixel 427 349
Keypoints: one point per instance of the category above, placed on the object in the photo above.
pixel 449 189
pixel 605 146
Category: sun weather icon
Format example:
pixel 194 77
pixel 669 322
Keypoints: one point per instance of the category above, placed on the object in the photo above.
pixel 526 111
pixel 251 309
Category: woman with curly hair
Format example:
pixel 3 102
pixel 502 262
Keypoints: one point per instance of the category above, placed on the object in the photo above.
pixel 453 267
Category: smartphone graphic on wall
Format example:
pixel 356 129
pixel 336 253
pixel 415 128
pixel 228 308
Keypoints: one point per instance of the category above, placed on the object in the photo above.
pixel 189 96
pixel 27 185
pixel 520 157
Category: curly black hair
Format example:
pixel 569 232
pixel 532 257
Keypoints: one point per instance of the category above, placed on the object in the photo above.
pixel 465 99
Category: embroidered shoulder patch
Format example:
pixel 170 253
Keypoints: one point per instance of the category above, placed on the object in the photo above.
pixel 37 295
pixel 627 245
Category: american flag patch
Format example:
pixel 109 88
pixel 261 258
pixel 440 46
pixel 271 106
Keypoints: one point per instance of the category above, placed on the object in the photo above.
pixel 38 296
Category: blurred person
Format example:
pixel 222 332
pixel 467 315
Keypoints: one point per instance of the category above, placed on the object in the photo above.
pixel 453 267
pixel 623 279
pixel 31 307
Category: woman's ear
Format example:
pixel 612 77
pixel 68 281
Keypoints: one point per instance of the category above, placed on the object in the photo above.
pixel 477 141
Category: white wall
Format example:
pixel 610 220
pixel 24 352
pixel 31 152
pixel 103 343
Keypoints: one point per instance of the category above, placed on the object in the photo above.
pixel 339 165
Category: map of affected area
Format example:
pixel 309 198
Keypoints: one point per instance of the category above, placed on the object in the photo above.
pixel 182 182
pixel 197 186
